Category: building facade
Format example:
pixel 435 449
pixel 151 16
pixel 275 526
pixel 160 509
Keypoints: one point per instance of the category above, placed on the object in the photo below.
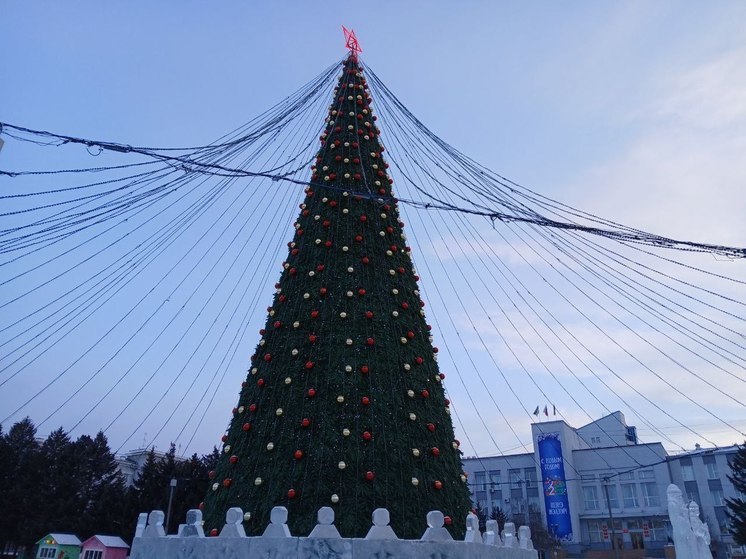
pixel 596 487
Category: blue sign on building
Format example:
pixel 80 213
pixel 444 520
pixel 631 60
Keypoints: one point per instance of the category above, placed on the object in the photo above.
pixel 556 500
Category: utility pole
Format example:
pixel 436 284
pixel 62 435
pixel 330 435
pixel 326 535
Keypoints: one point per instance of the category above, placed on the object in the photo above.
pixel 170 501
pixel 614 545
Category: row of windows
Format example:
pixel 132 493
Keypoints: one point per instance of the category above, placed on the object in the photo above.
pixel 492 479
pixel 648 493
pixel 639 530
pixel 687 469
pixel 93 554
pixel 47 552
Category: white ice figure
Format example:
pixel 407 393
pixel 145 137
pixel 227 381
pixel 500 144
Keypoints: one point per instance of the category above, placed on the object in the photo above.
pixel 524 538
pixel 683 538
pixel 701 533
pixel 491 534
pixel 193 527
pixel 278 527
pixel 154 529
pixel 325 527
pixel 233 524
pixel 436 532
pixel 381 529
pixel 509 539
pixel 142 522
pixel 472 529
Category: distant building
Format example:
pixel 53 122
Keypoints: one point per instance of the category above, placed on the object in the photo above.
pixel 131 464
pixel 600 487
pixel 58 546
pixel 104 547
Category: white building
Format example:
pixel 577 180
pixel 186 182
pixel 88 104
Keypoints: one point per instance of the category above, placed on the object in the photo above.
pixel 602 486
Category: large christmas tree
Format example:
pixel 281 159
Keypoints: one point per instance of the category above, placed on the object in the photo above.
pixel 344 403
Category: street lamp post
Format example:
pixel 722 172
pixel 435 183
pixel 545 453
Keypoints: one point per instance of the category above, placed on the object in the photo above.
pixel 614 545
pixel 170 501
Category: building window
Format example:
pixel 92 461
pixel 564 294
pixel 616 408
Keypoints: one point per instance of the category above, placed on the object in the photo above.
pixel 530 477
pixel 717 497
pixel 595 531
pixel 629 495
pixel 712 470
pixel 479 479
pixel 650 494
pixel 646 474
pixel 613 502
pixel 495 479
pixel 626 476
pixel 590 497
pixel 47 552
pixel 659 530
pixel 93 554
pixel 588 478
pixel 533 503
pixel 687 471
pixel 515 478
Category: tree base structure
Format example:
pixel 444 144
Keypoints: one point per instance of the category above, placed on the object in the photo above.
pixel 150 541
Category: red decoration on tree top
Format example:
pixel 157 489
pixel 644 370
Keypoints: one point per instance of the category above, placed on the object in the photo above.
pixel 351 42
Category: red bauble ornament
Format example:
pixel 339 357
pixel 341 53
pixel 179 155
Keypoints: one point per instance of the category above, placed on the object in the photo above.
pixel 431 427
pixel 370 341
pixel 233 459
pixel 419 360
pixel 366 260
pixel 314 314
pixel 442 376
pixel 320 268
pixel 252 408
pixel 246 427
pixel 367 436
pixel 365 401
pixel 305 422
pixel 227 482
pixel 333 204
pixel 364 369
pixel 298 454
pixel 368 314
pixel 381 191
pixel 267 357
pixel 235 411
pixel 311 392
pixel 438 484
pixel 425 394
pixel 260 383
pixel 405 305
pixel 401 270
pixel 262 331
pixel 282 298
pixel 363 218
pixel 389 230
pixel 224 438
pixel 201 506
pixel 447 520
pixel 361 291
pixel 322 291
pixel 213 532
pixel 309 364
pixel 292 271
pixel 435 451
pixel 369 476
pixel 291 493
pixel 211 474
pixel 328 244
pixel 410 334
pixel 294 252
pixel 358 238
pixel 277 286
pixel 312 338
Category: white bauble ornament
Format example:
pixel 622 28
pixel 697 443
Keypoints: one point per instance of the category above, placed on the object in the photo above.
pixel 288 380
pixel 346 432
pixel 415 481
pixel 340 399
pixel 246 516
pixel 341 465
pixel 215 486
pixel 278 412
pixel 270 446
pixel 343 315
pixel 335 498
pixel 294 352
pixel 258 481
pixel 348 368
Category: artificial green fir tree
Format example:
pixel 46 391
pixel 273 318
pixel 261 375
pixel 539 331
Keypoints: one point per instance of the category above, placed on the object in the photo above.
pixel 344 403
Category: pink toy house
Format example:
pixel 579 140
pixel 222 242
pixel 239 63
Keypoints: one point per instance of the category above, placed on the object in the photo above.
pixel 104 547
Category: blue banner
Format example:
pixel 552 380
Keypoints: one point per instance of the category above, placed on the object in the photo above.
pixel 556 501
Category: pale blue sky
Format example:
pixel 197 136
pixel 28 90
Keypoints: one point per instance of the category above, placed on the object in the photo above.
pixel 633 110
